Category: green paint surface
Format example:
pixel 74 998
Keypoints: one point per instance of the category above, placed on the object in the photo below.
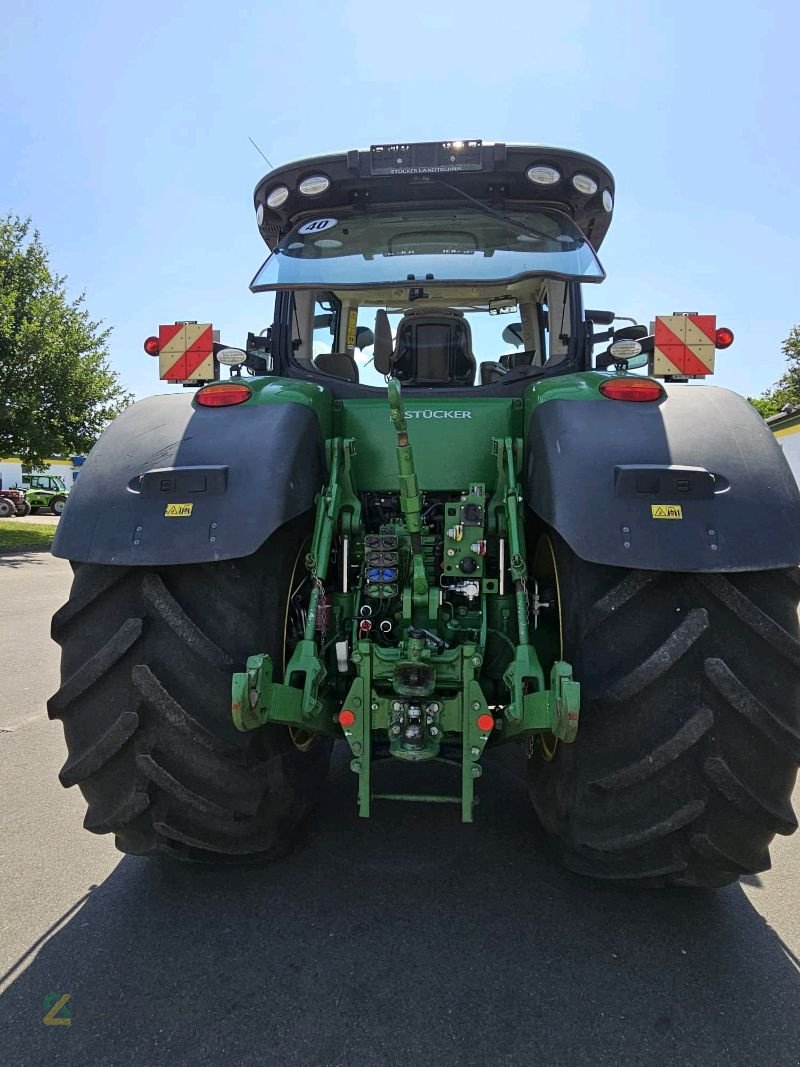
pixel 270 390
pixel 582 386
pixel 451 438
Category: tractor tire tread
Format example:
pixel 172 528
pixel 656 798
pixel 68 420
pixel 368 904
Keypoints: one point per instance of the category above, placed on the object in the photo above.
pixel 779 818
pixel 747 704
pixel 146 712
pixel 679 818
pixel 152 771
pixel 161 602
pixel 681 741
pixel 93 669
pixel 750 614
pixel 689 739
pixel 735 855
pixel 100 821
pixel 94 757
pixel 153 694
pixel 665 657
pixel 619 595
pixel 93 585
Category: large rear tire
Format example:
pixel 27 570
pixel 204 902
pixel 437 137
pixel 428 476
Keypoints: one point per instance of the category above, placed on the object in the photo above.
pixel 689 736
pixel 145 702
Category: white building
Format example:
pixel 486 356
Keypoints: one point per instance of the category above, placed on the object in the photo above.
pixel 786 427
pixel 67 467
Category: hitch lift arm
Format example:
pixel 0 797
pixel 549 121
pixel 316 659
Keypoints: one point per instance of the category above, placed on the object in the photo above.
pixel 387 686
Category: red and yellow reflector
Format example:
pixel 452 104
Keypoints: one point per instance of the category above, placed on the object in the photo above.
pixel 346 717
pixel 223 395
pixel 638 390
pixel 684 346
pixel 186 352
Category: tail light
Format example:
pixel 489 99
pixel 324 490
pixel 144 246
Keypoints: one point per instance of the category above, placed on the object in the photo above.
pixel 638 390
pixel 723 337
pixel 151 346
pixel 225 395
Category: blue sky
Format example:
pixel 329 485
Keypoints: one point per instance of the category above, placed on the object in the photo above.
pixel 124 135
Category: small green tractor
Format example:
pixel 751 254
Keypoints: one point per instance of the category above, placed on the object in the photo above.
pixel 440 505
pixel 45 491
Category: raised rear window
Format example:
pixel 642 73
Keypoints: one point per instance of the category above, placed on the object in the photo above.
pixel 442 246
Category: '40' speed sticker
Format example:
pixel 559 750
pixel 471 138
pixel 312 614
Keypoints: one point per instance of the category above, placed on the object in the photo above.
pixel 318 225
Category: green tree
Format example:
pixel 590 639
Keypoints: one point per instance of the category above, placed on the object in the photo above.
pixel 787 388
pixel 57 390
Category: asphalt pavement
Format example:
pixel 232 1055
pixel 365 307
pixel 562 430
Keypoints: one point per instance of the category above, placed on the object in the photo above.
pixel 41 518
pixel 406 939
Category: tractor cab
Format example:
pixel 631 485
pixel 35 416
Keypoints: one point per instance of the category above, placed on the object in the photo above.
pixel 445 266
pixel 46 482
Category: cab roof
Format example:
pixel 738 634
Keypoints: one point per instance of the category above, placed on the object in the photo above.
pixel 435 174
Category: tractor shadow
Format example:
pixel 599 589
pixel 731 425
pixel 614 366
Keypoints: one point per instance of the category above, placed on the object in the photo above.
pixel 24 557
pixel 407 939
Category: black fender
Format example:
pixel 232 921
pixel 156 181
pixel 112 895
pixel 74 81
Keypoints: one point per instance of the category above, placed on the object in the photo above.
pixel 595 470
pixel 239 473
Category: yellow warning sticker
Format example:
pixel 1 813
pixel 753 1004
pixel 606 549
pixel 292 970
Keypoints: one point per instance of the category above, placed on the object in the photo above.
pixel 352 323
pixel 178 511
pixel 666 511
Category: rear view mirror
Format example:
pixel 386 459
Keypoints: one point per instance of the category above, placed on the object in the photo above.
pixel 639 361
pixel 640 345
pixel 503 305
pixel 512 334
pixel 364 338
pixel 600 318
pixel 325 321
pixel 630 333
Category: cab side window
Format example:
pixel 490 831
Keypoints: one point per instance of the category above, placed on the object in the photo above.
pixel 556 322
pixel 325 325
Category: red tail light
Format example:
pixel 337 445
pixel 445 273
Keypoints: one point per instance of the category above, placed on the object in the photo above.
pixel 346 718
pixel 724 337
pixel 485 723
pixel 636 389
pixel 225 395
pixel 151 346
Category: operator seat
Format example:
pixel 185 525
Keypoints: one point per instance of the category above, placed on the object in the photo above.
pixel 433 346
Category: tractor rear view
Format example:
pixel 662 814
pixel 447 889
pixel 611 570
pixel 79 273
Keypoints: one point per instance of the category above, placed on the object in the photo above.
pixel 432 510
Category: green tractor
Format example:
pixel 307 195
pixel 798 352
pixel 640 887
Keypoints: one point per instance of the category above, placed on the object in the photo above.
pixel 434 510
pixel 45 491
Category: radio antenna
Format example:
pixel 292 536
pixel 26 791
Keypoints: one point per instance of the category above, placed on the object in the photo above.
pixel 253 143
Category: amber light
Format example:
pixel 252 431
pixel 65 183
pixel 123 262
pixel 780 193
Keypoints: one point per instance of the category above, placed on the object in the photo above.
pixel 636 389
pixel 151 346
pixel 222 396
pixel 346 718
pixel 724 337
